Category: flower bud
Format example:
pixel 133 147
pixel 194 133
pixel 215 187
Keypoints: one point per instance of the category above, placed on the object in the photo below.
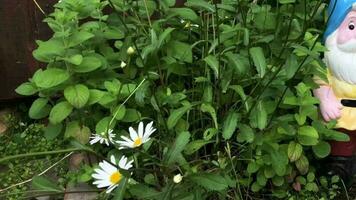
pixel 130 50
pixel 123 64
pixel 177 178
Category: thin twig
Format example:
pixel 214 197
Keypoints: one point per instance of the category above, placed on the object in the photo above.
pixel 117 111
pixel 39 7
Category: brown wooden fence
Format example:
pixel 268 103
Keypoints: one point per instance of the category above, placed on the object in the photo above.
pixel 20 25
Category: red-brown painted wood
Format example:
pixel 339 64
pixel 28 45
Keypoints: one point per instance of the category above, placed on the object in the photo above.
pixel 20 25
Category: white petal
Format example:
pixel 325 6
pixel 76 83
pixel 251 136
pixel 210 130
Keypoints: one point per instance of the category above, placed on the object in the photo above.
pixel 108 168
pixel 112 159
pixel 101 172
pixel 128 165
pixel 122 162
pixel 148 133
pixel 98 176
pixel 111 188
pixel 127 139
pixel 144 140
pixel 140 130
pixel 148 127
pixel 133 134
pixel 94 140
pixel 101 184
pixel 125 144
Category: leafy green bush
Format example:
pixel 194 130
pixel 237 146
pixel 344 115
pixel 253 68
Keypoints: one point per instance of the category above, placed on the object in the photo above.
pixel 227 84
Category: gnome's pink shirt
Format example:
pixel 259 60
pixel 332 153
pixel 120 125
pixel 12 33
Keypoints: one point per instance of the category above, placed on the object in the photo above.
pixel 331 94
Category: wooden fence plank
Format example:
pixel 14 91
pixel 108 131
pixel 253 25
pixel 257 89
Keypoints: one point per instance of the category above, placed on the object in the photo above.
pixel 20 25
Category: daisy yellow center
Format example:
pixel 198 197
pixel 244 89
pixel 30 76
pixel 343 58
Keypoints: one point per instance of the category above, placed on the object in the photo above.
pixel 115 177
pixel 138 142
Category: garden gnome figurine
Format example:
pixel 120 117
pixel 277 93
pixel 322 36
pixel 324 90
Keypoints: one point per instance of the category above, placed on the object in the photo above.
pixel 338 96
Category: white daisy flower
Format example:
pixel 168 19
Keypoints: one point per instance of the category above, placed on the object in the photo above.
pixel 137 138
pixel 102 137
pixel 109 175
pixel 123 164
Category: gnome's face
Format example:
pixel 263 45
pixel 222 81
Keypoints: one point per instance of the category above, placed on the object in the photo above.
pixel 346 36
pixel 341 54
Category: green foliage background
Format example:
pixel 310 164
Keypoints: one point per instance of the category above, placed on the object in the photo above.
pixel 227 84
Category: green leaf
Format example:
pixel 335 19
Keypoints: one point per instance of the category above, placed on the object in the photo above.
pixel 210 133
pixel 76 59
pixel 50 77
pixel 211 110
pixel 49 50
pixel 52 131
pixel 59 112
pixel 295 150
pixel 181 51
pixel 195 146
pixel 163 36
pixel 120 190
pixel 246 134
pixel 200 4
pixel 238 62
pixel 230 125
pixel 89 63
pixel 44 184
pixel 80 133
pixel 77 95
pixel 302 164
pixel 95 96
pixel 307 135
pixel 269 172
pixel 169 3
pixel 103 125
pixel 119 112
pixel 253 167
pixel 259 60
pixel 279 161
pixel 178 146
pixel 79 37
pixel 261 179
pixel 26 89
pixel 113 87
pixel 255 187
pixel 322 149
pixel 210 181
pixel 278 181
pixel 213 63
pixel 39 109
pixel 258 117
pixel 131 115
pixel 286 1
pixel 184 13
pixel 114 33
pixel 176 115
pixel 142 191
pixel 146 8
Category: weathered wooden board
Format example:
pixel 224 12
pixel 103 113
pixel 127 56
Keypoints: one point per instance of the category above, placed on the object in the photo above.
pixel 20 25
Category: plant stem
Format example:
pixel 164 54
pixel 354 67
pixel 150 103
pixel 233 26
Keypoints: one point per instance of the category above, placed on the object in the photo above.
pixel 35 154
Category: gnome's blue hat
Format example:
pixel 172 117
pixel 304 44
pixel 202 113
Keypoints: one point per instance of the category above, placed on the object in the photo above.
pixel 337 11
